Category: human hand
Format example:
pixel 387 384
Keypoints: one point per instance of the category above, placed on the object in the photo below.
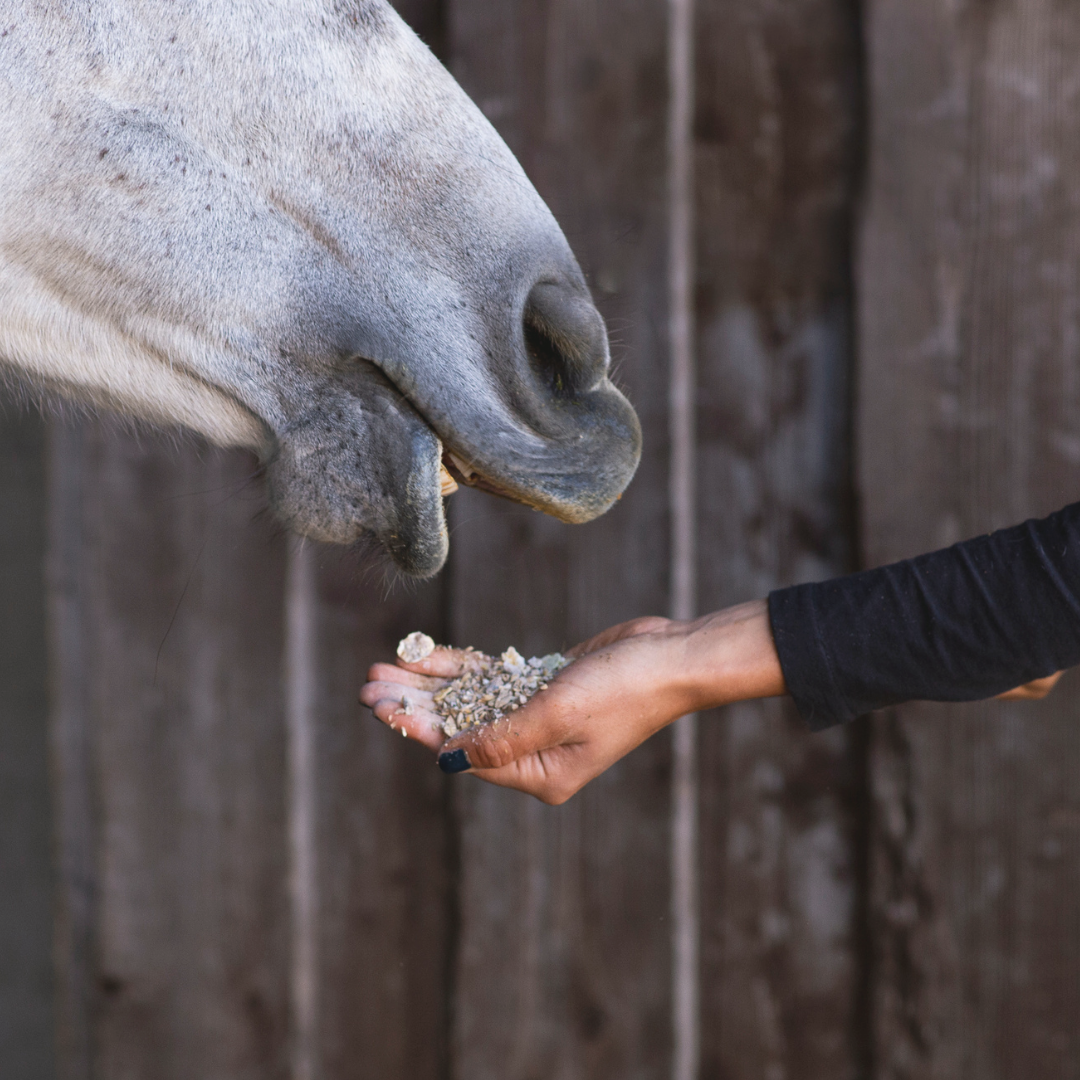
pixel 592 713
pixel 624 685
pixel 1035 690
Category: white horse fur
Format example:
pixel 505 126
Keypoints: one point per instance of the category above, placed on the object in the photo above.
pixel 281 223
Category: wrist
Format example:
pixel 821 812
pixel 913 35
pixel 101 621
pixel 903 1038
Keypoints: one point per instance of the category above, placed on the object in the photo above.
pixel 725 657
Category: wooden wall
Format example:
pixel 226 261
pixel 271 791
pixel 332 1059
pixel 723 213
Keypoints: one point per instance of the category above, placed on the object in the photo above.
pixel 26 1011
pixel 969 419
pixel 253 879
pixel 777 141
pixel 564 957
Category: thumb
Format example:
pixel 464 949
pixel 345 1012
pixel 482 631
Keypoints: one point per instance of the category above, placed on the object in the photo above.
pixel 533 728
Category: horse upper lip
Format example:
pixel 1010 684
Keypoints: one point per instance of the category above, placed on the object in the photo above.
pixel 462 471
pixel 558 482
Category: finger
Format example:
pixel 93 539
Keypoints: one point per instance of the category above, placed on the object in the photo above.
pixel 373 692
pixel 419 724
pixel 391 673
pixel 1035 690
pixel 535 727
pixel 1048 684
pixel 445 663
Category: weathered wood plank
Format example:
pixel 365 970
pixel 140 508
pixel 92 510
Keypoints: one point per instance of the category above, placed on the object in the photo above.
pixel 26 985
pixel 970 420
pixel 564 957
pixel 173 614
pixel 70 755
pixel 776 147
pixel 385 842
pixel 182 956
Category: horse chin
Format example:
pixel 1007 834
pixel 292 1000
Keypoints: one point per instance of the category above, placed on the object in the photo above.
pixel 326 483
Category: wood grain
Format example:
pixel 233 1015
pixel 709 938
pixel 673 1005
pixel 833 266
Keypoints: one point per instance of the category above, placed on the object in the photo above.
pixel 70 754
pixel 175 627
pixel 969 419
pixel 386 846
pixel 26 895
pixel 564 958
pixel 172 647
pixel 777 144
pixel 386 843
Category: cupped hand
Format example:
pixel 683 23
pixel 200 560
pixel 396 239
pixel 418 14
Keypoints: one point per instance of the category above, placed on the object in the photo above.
pixel 624 685
pixel 610 700
pixel 401 694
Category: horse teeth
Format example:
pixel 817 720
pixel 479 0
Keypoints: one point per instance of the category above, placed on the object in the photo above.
pixel 447 484
pixel 466 470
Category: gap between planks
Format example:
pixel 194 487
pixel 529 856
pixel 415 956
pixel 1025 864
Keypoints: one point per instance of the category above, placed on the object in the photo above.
pixel 70 753
pixel 686 990
pixel 300 703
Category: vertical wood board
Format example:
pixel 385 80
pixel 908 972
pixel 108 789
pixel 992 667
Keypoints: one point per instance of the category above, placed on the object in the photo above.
pixel 564 956
pixel 385 846
pixel 969 414
pixel 26 895
pixel 777 144
pixel 173 617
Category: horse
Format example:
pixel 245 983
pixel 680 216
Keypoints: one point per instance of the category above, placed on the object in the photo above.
pixel 283 225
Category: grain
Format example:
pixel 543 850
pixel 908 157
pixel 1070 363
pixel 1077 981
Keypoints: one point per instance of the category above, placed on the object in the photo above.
pixel 494 687
pixel 415 647
pixel 491 688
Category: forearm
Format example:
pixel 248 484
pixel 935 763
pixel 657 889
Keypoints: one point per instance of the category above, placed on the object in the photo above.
pixel 960 624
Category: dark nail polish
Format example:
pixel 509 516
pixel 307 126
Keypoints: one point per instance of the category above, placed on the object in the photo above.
pixel 454 762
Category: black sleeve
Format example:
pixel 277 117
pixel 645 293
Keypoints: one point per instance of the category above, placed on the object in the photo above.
pixel 960 624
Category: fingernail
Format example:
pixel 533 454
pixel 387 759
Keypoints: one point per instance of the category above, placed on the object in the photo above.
pixel 454 762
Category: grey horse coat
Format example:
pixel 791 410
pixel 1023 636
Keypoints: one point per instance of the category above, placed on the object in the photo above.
pixel 282 224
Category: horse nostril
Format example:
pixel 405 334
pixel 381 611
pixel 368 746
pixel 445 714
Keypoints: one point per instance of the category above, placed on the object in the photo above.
pixel 565 338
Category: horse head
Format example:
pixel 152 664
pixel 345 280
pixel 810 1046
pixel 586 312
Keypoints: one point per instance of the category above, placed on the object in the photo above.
pixel 284 225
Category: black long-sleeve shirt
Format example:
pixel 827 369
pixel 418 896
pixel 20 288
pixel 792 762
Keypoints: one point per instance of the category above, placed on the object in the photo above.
pixel 961 624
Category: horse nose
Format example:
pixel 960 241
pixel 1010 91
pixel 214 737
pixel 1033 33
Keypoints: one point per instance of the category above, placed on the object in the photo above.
pixel 565 337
